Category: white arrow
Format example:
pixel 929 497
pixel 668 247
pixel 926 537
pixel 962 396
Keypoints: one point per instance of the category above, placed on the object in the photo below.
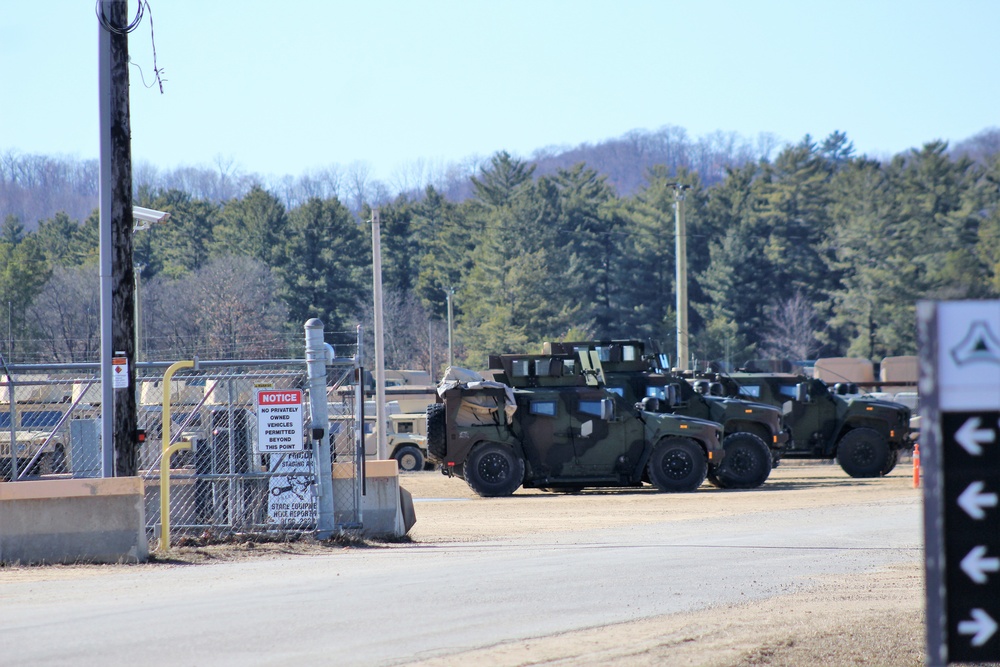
pixel 973 500
pixel 981 627
pixel 976 565
pixel 971 437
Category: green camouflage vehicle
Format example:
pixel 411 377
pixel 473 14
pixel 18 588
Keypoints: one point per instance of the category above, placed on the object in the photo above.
pixel 865 435
pixel 753 433
pixel 550 428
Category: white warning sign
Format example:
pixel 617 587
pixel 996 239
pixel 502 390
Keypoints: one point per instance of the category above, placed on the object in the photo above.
pixel 279 421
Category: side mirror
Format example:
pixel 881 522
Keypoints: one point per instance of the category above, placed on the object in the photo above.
pixel 607 409
pixel 802 392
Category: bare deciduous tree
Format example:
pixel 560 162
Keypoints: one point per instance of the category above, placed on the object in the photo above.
pixel 67 315
pixel 792 330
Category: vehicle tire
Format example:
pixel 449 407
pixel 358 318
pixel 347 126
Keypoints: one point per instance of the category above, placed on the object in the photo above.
pixel 54 462
pixel 891 462
pixel 436 431
pixel 409 458
pixel 677 465
pixel 493 470
pixel 747 463
pixel 863 452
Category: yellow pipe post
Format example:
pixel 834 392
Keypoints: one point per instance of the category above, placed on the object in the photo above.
pixel 165 492
pixel 167 452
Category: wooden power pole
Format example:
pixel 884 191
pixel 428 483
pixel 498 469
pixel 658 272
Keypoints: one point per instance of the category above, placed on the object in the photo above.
pixel 118 334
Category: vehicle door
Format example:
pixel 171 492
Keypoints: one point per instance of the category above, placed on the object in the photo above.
pixel 608 438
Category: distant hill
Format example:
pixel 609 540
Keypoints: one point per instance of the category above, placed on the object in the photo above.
pixel 35 187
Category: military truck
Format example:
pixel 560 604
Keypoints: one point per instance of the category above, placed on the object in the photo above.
pixel 551 428
pixel 864 434
pixel 753 433
pixel 406 433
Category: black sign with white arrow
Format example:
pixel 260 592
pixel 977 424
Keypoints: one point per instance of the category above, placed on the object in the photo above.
pixel 970 458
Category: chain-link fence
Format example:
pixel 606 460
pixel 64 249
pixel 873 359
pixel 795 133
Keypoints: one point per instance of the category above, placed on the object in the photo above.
pixel 223 485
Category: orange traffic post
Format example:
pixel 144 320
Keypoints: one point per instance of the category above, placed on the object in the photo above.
pixel 916 465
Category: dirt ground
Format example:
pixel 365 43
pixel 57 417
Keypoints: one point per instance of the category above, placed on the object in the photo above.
pixel 873 619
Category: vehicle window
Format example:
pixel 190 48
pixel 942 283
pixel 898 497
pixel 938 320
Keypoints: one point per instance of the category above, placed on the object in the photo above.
pixel 590 407
pixel 404 427
pixel 37 418
pixel 543 408
pixel 629 353
pixel 750 391
pixel 617 390
pixel 657 392
pixel 4 420
pixel 787 390
pixel 519 368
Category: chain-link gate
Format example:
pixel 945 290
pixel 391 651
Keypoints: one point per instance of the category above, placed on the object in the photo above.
pixel 220 487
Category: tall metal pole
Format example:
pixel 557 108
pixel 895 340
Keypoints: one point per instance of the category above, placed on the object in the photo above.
pixel 318 354
pixel 451 351
pixel 680 251
pixel 380 417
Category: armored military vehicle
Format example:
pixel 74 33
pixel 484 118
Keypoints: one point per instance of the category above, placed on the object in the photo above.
pixel 864 434
pixel 552 428
pixel 753 433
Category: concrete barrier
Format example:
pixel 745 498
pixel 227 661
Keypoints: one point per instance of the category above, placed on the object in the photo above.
pixel 73 520
pixel 386 508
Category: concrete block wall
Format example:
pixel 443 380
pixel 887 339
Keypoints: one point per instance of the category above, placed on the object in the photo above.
pixel 73 520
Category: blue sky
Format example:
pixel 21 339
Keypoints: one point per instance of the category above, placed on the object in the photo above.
pixel 292 86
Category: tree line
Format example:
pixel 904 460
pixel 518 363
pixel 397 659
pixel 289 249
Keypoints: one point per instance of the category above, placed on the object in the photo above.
pixel 814 252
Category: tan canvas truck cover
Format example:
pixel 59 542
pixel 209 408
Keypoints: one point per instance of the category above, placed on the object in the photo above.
pixel 844 369
pixel 477 409
pixel 898 369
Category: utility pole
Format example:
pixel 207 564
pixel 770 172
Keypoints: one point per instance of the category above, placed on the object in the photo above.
pixel 118 434
pixel 680 252
pixel 382 446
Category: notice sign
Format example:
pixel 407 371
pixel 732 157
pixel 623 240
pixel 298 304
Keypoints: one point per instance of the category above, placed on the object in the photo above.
pixel 279 421
pixel 290 497
pixel 119 372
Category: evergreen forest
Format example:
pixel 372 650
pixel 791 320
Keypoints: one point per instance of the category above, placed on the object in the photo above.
pixel 794 252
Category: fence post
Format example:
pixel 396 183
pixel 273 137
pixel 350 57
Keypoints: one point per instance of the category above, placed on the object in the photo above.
pixel 318 355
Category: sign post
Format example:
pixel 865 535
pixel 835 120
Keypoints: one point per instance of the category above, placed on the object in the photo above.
pixel 960 449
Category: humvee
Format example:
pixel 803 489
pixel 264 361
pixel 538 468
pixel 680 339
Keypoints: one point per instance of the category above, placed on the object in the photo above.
pixel 551 428
pixel 864 434
pixel 753 433
pixel 406 433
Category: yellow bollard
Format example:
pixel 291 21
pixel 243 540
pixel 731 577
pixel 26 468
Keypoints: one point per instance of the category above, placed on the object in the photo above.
pixel 165 492
pixel 168 451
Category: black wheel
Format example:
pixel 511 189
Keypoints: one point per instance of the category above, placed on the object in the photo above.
pixel 493 470
pixel 677 465
pixel 863 452
pixel 54 462
pixel 436 428
pixel 410 458
pixel 746 465
pixel 891 462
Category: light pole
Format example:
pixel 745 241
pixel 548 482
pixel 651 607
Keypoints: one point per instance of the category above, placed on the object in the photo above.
pixel 451 351
pixel 680 252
